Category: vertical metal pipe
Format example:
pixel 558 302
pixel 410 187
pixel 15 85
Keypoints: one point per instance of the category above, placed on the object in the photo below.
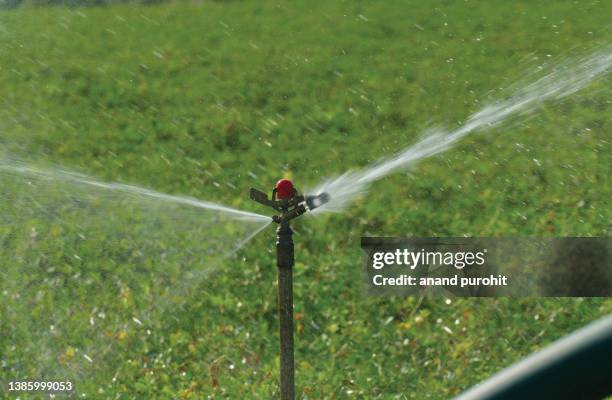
pixel 284 261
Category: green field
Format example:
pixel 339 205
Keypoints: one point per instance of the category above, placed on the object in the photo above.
pixel 207 99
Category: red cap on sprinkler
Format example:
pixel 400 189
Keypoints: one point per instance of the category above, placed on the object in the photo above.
pixel 284 189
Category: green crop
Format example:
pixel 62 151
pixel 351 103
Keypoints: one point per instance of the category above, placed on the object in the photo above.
pixel 209 98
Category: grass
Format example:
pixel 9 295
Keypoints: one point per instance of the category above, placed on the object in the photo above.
pixel 188 97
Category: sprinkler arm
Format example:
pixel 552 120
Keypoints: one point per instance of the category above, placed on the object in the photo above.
pixel 290 208
pixel 261 198
pixel 289 215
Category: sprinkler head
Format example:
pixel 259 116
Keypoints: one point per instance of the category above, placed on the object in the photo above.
pixel 287 200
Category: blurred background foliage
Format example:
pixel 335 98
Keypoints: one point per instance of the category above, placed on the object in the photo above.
pixel 209 98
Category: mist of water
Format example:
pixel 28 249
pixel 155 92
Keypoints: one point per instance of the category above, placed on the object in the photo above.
pixel 75 248
pixel 17 167
pixel 563 80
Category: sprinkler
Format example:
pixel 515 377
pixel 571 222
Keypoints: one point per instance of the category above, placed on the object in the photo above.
pixel 290 204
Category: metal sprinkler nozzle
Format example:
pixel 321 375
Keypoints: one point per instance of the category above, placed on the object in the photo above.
pixel 286 199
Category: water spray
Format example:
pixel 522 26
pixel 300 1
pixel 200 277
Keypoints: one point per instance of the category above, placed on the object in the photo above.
pixel 290 204
pixel 525 97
